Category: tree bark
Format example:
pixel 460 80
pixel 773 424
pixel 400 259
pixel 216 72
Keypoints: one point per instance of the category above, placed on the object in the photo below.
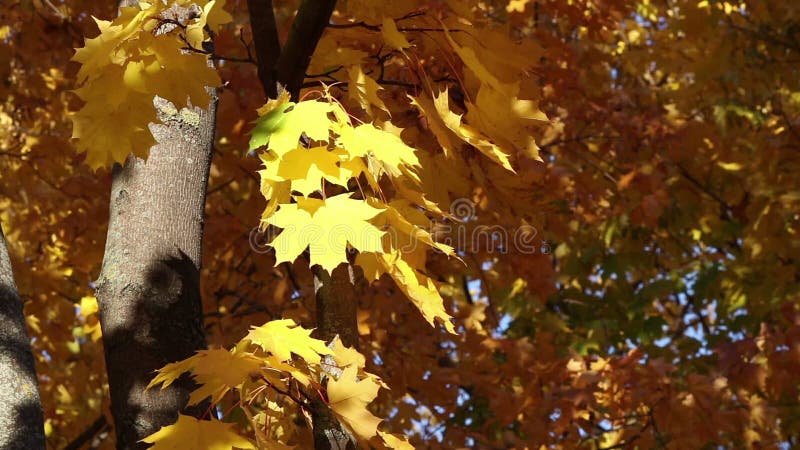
pixel 21 418
pixel 337 304
pixel 267 43
pixel 336 316
pixel 312 18
pixel 149 287
pixel 151 312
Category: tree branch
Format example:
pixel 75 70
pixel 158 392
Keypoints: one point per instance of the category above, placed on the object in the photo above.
pixel 96 427
pixel 363 24
pixel 307 28
pixel 267 43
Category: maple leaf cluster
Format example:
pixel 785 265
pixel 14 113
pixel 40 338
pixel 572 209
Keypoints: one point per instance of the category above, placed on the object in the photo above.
pixel 260 370
pixel 136 57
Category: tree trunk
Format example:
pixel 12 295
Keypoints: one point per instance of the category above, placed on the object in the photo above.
pixel 336 316
pixel 337 304
pixel 21 419
pixel 149 287
pixel 151 312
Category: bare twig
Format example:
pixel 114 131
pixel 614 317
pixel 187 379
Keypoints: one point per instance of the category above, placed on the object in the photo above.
pixel 88 434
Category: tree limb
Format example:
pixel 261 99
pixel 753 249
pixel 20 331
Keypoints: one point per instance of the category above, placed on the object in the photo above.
pixel 96 427
pixel 307 28
pixel 267 43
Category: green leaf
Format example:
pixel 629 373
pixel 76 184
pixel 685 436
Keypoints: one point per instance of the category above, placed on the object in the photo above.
pixel 281 123
pixel 266 125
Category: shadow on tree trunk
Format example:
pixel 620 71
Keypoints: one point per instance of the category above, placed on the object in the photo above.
pixel 21 417
pixel 143 339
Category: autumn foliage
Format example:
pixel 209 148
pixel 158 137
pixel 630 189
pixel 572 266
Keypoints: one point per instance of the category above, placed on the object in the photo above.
pixel 570 224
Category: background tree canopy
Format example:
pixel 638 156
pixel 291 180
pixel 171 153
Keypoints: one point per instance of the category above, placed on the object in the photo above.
pixel 510 224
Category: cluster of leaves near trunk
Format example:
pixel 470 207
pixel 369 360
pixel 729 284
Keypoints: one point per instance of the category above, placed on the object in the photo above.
pixel 137 56
pixel 270 388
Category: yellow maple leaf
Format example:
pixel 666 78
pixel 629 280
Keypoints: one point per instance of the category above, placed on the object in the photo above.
pixel 306 168
pixel 105 48
pixel 219 370
pixel 348 397
pixel 121 71
pixel 275 370
pixel 169 373
pixel 276 193
pixel 353 168
pixel 189 433
pixel 284 337
pixel 393 36
pixel 407 225
pixel 281 123
pixel 213 15
pixel 331 53
pixel 473 62
pixel 325 227
pixel 447 127
pixel 163 69
pixel 380 147
pixel 272 418
pixel 114 122
pixel 395 441
pixel 364 90
pixel 506 118
pixel 420 289
pixel 347 356
pixel 444 135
